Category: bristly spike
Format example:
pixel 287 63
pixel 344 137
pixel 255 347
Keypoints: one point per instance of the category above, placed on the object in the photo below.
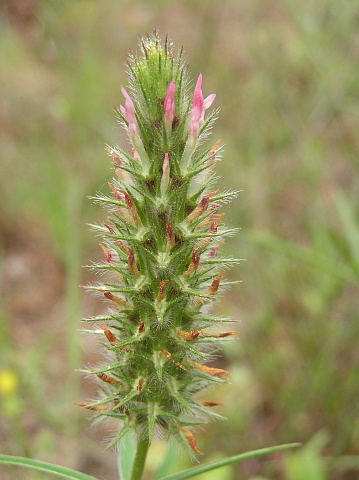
pixel 160 246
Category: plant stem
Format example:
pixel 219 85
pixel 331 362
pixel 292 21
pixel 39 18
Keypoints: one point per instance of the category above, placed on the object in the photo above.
pixel 140 458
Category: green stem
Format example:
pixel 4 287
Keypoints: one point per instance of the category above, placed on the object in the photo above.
pixel 140 459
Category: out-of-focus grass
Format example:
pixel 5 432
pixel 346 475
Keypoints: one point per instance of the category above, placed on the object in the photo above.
pixel 286 76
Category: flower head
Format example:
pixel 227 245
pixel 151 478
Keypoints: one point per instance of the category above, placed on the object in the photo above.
pixel 161 287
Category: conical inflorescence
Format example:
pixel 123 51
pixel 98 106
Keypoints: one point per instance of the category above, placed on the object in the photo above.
pixel 160 246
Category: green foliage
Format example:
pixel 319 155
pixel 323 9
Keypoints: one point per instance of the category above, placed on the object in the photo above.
pixel 126 455
pixel 228 461
pixel 308 462
pixel 49 468
pixel 125 473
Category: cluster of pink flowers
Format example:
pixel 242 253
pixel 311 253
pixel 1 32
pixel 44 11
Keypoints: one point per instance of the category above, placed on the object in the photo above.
pixel 196 117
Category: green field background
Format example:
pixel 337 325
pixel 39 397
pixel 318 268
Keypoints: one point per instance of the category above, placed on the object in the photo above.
pixel 286 74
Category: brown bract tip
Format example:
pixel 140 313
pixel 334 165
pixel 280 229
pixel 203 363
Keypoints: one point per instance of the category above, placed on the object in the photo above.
pixel 110 336
pixel 96 408
pixel 190 439
pixel 107 253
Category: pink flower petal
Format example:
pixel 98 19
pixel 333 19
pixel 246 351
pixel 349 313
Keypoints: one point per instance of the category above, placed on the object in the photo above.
pixel 197 101
pixel 207 102
pixel 169 101
pixel 169 107
pixel 129 110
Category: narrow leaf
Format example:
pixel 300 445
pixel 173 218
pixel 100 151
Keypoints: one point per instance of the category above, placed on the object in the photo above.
pixel 350 224
pixel 50 468
pixel 191 472
pixel 126 455
pixel 169 460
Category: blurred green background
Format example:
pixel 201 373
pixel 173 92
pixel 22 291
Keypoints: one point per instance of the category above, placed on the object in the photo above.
pixel 286 74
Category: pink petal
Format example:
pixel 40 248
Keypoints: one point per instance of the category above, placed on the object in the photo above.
pixel 166 162
pixel 129 109
pixel 207 102
pixel 197 102
pixel 169 101
pixel 125 94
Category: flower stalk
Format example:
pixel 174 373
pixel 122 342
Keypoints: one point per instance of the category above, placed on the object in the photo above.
pixel 162 272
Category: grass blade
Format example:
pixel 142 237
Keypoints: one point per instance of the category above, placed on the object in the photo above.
pixel 126 455
pixel 45 467
pixel 191 472
pixel 350 225
pixel 168 462
pixel 314 258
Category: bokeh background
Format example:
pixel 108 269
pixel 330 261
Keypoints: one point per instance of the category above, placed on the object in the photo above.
pixel 286 74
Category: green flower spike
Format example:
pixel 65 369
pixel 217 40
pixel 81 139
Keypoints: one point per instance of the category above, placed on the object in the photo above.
pixel 160 245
